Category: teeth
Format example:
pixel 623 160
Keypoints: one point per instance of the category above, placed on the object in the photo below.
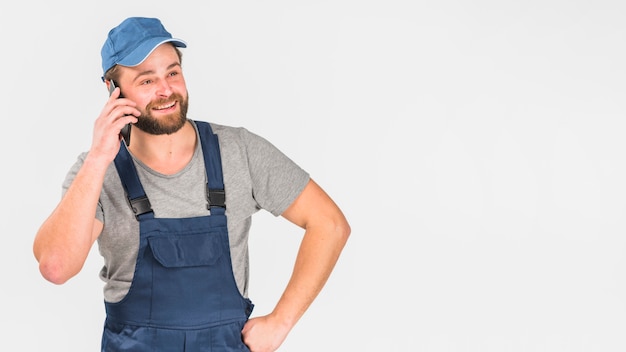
pixel 165 106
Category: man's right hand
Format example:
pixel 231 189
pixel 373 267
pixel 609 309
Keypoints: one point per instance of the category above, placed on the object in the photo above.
pixel 117 113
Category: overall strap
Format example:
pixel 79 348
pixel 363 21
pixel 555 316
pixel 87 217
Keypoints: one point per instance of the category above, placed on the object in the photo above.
pixel 135 193
pixel 216 196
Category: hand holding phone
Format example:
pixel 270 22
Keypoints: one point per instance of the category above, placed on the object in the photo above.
pixel 125 132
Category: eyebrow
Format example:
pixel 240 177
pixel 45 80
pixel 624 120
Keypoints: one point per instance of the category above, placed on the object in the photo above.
pixel 150 72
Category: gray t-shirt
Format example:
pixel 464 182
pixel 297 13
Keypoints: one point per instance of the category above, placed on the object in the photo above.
pixel 256 176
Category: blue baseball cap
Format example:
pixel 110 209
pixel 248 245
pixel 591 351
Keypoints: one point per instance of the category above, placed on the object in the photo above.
pixel 130 43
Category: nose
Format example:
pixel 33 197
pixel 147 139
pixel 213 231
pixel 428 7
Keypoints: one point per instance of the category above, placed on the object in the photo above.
pixel 163 88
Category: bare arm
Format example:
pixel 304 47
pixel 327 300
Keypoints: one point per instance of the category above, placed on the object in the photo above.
pixel 326 233
pixel 65 238
pixel 63 241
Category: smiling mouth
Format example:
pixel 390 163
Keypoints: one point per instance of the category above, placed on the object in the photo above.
pixel 165 106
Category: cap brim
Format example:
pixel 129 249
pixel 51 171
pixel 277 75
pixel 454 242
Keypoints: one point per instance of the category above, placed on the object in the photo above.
pixel 138 55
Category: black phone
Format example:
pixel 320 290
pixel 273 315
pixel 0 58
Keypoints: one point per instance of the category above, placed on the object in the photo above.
pixel 125 132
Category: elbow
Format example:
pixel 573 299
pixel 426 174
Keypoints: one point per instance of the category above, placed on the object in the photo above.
pixel 343 230
pixel 53 271
pixel 57 264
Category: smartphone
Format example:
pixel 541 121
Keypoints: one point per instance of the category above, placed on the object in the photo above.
pixel 125 132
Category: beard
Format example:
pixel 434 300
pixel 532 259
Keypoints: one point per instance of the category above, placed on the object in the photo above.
pixel 167 124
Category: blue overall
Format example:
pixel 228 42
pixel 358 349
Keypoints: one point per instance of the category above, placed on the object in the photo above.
pixel 183 296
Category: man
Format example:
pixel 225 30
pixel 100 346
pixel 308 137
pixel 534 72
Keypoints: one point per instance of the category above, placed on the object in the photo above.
pixel 171 212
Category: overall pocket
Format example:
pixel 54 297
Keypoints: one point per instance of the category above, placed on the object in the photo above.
pixel 187 250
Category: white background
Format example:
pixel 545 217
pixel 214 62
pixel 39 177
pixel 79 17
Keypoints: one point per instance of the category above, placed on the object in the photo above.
pixel 476 148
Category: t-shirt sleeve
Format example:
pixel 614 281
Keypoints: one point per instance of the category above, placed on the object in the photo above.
pixel 276 179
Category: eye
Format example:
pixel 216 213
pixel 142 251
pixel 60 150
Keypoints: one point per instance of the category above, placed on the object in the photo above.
pixel 145 82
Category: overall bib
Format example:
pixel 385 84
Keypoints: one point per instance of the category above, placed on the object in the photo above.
pixel 183 296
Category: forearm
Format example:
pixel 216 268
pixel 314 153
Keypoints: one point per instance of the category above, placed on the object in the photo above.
pixel 317 256
pixel 65 238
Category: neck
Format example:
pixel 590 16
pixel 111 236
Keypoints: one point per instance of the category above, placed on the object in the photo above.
pixel 166 154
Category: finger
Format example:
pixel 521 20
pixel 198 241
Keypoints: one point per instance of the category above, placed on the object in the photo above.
pixel 115 94
pixel 122 110
pixel 126 119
